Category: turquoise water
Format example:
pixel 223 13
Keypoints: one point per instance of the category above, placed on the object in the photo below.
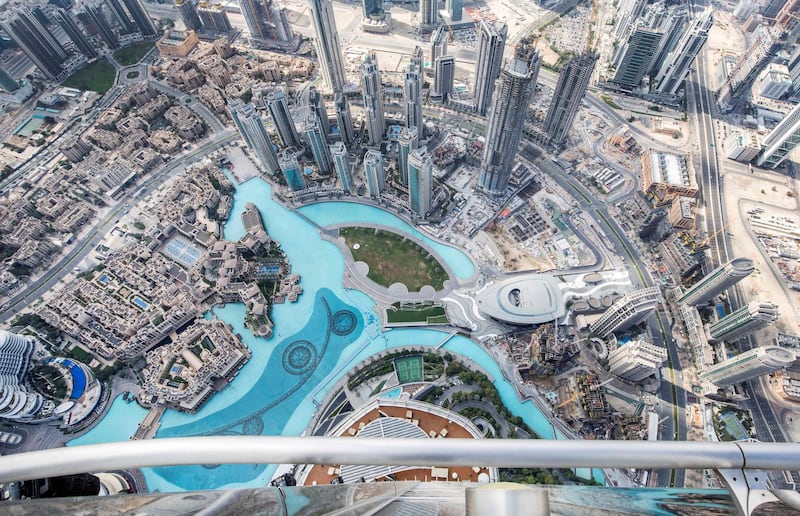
pixel 316 340
pixel 393 394
pixel 328 213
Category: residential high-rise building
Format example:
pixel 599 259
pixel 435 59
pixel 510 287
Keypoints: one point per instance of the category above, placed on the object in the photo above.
pixel 142 20
pixel 412 95
pixel 781 140
pixel 516 84
pixel 787 17
pixel 491 43
pixel 765 44
pixel 317 144
pixel 420 182
pixel 371 8
pixel 281 28
pixel 373 170
pixel 188 12
pixel 7 82
pixel 636 360
pixel 717 281
pixel 773 82
pixel 444 73
pixel 630 309
pixel 326 41
pixel 121 15
pixel 742 146
pixel 282 118
pixel 18 402
pixel 772 8
pixel 214 18
pixel 317 104
pixel 744 321
pixel 749 365
pixel 251 127
pixel 428 12
pixel 567 97
pixel 256 16
pixel 291 171
pixel 101 25
pixel 454 9
pixel 438 42
pixel 341 163
pixel 673 28
pixel 35 41
pixel 627 13
pixel 406 143
pixel 373 98
pixel 75 34
pixel 344 120
pixel 676 67
pixel 636 56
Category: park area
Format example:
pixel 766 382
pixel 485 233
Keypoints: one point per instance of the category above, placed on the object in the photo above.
pixel 416 312
pixel 133 54
pixel 98 76
pixel 393 258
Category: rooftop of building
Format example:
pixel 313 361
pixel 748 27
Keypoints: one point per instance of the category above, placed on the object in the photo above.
pixel 523 299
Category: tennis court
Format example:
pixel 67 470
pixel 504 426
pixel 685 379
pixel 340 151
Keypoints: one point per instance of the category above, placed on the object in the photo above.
pixel 409 369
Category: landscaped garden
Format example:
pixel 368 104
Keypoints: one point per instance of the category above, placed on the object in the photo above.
pixel 393 258
pixel 133 54
pixel 98 76
pixel 416 312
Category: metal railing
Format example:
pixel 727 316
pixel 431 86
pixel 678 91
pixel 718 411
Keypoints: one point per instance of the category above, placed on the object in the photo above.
pixel 738 462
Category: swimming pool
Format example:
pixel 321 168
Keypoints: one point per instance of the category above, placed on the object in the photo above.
pixel 316 341
pixel 141 303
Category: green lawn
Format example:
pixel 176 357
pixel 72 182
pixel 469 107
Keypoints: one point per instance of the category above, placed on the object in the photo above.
pixel 394 259
pixel 98 76
pixel 131 55
pixel 422 313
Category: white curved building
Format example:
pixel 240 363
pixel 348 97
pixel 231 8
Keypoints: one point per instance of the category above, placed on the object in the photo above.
pixel 16 402
pixel 523 300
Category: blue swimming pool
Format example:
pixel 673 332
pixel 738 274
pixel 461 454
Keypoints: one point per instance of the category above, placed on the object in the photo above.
pixel 141 303
pixel 316 341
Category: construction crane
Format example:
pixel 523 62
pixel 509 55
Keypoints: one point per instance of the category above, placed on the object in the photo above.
pixel 567 402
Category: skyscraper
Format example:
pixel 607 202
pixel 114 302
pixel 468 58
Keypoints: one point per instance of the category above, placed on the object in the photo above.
pixel 444 73
pixel 326 41
pixel 373 170
pixel 75 34
pixel 371 7
pixel 636 360
pixel 438 42
pixel 256 16
pixel 420 182
pixel 772 8
pixel 491 43
pixel 454 9
pixel 281 28
pixel 744 321
pixel 676 67
pixel 373 98
pixel 632 308
pixel 214 18
pixel 291 171
pixel 781 140
pixel 101 24
pixel 123 20
pixel 7 82
pixel 188 12
pixel 717 281
pixel 282 118
pixel 406 144
pixel 636 56
pixel 343 118
pixel 35 41
pixel 341 163
pixel 516 84
pixel 143 21
pixel 428 12
pixel 317 144
pixel 749 365
pixel 412 95
pixel 567 97
pixel 317 104
pixel 251 127
pixel 673 28
pixel 765 44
